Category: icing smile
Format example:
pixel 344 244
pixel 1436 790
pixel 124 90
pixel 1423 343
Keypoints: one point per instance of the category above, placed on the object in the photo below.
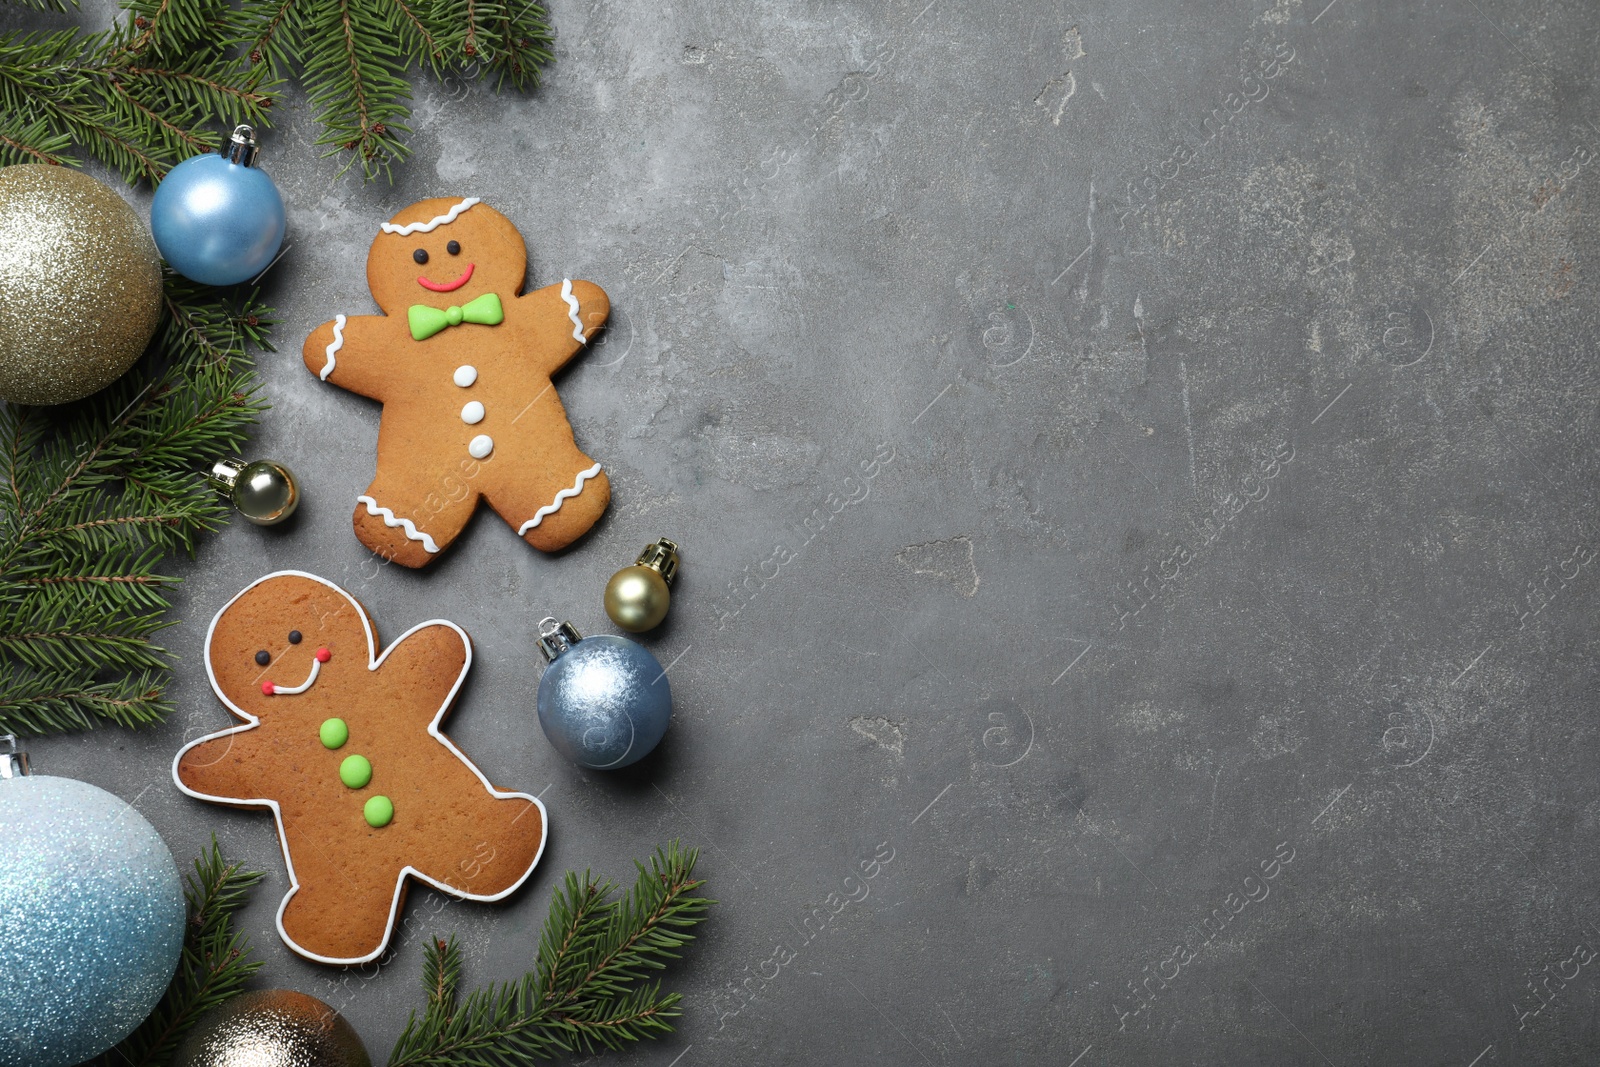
pixel 445 287
pixel 323 655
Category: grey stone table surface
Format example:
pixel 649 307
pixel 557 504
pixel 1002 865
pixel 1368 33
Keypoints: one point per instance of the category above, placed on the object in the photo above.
pixel 1135 468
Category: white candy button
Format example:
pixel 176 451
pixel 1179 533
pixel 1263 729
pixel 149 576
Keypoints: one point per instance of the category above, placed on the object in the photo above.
pixel 480 446
pixel 472 414
pixel 465 375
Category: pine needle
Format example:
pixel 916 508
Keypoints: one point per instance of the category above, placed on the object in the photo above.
pixel 94 495
pixel 589 989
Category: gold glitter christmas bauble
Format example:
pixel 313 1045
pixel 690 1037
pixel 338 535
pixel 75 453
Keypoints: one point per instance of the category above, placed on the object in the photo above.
pixel 80 285
pixel 272 1028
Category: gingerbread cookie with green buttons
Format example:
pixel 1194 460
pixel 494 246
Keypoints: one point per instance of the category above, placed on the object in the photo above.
pixel 343 743
pixel 461 364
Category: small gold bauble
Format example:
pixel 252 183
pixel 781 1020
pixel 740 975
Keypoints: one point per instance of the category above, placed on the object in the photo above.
pixel 80 285
pixel 265 492
pixel 272 1028
pixel 637 597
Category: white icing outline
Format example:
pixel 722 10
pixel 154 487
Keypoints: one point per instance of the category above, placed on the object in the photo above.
pixel 432 224
pixel 391 520
pixel 572 311
pixel 333 346
pixel 374 662
pixel 551 509
pixel 279 690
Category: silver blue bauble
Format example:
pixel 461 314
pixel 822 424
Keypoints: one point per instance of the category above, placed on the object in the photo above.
pixel 604 701
pixel 216 218
pixel 92 915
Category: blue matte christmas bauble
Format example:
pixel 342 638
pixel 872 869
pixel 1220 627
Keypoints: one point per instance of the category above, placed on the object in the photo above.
pixel 217 222
pixel 92 915
pixel 604 701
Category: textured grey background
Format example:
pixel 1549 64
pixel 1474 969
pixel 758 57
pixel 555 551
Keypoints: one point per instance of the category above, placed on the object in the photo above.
pixel 1082 295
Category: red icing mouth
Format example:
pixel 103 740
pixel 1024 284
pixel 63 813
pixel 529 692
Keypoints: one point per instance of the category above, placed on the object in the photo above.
pixel 445 287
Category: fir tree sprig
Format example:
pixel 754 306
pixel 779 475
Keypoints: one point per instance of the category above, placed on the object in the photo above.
pixel 590 988
pixel 151 91
pixel 355 65
pixel 140 97
pixel 94 495
pixel 214 967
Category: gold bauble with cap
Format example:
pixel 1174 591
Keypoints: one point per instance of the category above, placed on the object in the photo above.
pixel 637 597
pixel 264 491
pixel 272 1028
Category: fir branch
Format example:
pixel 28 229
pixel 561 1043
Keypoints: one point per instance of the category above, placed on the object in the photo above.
pixel 214 966
pixel 30 140
pixel 416 33
pixel 508 38
pixel 152 90
pixel 570 929
pixel 584 994
pixel 268 33
pixel 354 78
pixel 441 977
pixel 43 80
pixel 40 702
pixel 96 495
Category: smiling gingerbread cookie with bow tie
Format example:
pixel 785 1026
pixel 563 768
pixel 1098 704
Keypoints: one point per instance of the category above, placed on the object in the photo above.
pixel 461 364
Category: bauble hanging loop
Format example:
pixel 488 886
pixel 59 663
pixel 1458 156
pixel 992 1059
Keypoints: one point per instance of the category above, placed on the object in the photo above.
pixel 604 701
pixel 637 597
pixel 217 218
pixel 264 491
pixel 241 147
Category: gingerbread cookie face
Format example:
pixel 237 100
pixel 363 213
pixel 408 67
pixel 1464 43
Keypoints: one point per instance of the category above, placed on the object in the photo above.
pixel 462 363
pixel 458 253
pixel 343 744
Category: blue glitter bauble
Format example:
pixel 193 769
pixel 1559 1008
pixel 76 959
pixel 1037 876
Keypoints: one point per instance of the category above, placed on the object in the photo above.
pixel 604 702
pixel 216 222
pixel 93 915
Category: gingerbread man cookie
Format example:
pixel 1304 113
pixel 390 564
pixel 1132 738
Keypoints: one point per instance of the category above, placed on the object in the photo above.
pixel 343 745
pixel 462 366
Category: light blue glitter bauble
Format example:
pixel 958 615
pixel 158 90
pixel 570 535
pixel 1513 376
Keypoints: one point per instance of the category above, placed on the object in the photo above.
pixel 91 920
pixel 216 222
pixel 604 701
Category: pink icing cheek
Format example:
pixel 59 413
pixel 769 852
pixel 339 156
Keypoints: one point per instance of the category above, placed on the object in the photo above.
pixel 267 688
pixel 323 655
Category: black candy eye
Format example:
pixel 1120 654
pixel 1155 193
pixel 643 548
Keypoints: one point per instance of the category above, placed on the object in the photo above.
pixel 420 255
pixel 263 657
pixel 454 248
pixel 294 637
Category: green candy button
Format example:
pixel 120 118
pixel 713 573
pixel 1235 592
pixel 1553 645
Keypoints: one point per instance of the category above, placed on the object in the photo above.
pixel 355 772
pixel 334 733
pixel 378 811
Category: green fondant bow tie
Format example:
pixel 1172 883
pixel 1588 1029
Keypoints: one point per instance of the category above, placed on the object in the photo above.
pixel 426 321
